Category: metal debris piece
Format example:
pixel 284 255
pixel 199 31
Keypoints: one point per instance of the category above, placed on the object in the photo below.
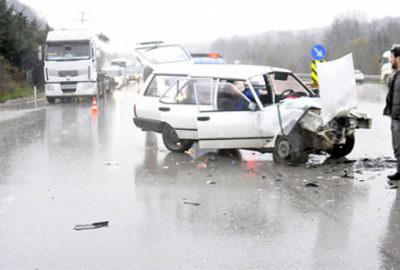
pixel 191 203
pixel 95 225
pixel 347 161
pixel 346 175
pixel 311 185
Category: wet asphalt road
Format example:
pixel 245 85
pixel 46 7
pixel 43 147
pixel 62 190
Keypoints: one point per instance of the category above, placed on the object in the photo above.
pixel 61 166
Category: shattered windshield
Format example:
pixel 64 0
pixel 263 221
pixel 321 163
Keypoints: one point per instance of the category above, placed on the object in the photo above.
pixel 62 51
pixel 164 54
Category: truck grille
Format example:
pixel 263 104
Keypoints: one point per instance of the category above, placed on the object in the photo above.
pixel 68 73
pixel 68 87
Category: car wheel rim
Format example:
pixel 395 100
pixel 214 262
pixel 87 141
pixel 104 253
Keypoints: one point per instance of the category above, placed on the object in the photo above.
pixel 284 149
pixel 174 137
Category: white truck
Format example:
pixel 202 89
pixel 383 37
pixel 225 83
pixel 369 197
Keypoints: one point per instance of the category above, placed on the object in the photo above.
pixel 72 59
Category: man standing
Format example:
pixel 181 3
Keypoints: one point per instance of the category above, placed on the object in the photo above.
pixel 392 107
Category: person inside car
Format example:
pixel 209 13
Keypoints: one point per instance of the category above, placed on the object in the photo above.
pixel 242 105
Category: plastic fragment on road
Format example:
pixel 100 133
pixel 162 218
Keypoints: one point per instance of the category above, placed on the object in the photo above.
pixel 311 185
pixel 111 163
pixel 191 203
pixel 95 225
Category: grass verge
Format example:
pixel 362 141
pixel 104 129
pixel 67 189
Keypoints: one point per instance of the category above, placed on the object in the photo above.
pixel 17 93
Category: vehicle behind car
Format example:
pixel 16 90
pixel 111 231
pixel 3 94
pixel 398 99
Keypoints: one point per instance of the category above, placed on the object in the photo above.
pixel 134 72
pixel 117 76
pixel 207 58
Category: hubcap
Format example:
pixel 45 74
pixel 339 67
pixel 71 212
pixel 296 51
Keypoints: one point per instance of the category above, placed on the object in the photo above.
pixel 284 149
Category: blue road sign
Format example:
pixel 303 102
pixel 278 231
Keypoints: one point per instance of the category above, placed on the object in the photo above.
pixel 318 52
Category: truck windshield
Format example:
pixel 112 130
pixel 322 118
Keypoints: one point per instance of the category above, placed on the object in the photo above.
pixel 67 51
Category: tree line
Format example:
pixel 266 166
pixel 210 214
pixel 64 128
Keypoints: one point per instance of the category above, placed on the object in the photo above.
pixel 20 38
pixel 292 49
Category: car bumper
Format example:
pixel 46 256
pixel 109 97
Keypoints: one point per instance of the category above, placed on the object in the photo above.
pixel 72 89
pixel 148 125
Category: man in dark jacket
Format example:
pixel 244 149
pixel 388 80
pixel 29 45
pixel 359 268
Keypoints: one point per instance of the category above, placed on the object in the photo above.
pixel 392 108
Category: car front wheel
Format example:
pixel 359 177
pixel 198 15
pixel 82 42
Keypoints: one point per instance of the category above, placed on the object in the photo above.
pixel 285 152
pixel 172 141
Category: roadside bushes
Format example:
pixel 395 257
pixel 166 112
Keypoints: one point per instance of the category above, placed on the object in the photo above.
pixel 13 83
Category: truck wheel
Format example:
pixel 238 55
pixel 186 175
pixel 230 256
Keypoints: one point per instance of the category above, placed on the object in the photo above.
pixel 51 100
pixel 341 150
pixel 172 141
pixel 285 153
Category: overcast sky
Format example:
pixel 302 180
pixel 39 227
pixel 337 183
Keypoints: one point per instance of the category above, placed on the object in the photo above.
pixel 129 21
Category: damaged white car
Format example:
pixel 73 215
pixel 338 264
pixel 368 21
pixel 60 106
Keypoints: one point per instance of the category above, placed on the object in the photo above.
pixel 237 106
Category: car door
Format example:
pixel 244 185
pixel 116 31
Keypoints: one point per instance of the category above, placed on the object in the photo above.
pixel 178 107
pixel 222 126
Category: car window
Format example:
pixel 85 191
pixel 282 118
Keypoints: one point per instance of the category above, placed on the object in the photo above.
pixel 183 91
pixel 282 81
pixel 159 84
pixel 230 98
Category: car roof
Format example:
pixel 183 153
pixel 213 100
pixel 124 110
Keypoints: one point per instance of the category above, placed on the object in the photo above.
pixel 215 71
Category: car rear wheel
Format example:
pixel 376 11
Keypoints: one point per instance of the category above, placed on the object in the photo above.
pixel 341 150
pixel 172 141
pixel 285 152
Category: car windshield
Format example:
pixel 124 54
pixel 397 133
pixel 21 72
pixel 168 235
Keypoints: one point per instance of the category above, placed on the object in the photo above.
pixel 62 51
pixel 282 81
pixel 164 54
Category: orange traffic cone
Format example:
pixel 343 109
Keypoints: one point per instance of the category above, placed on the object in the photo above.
pixel 94 105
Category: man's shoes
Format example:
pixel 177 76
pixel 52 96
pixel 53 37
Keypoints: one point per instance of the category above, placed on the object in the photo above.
pixel 394 177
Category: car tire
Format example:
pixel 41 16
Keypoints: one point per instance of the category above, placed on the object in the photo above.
pixel 286 153
pixel 172 141
pixel 51 100
pixel 341 150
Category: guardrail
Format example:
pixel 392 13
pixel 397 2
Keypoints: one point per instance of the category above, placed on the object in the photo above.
pixel 368 78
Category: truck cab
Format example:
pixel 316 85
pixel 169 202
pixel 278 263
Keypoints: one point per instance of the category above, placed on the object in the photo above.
pixel 71 61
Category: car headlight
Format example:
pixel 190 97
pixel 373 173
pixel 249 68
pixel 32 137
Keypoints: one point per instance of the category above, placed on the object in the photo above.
pixel 49 87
